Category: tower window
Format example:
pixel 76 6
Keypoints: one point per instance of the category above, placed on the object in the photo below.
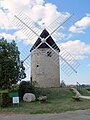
pixel 49 53
pixel 37 65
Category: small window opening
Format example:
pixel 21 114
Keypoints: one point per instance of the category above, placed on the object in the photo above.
pixel 49 54
pixel 37 65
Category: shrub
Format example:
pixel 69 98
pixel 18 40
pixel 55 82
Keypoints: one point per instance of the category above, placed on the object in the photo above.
pixel 14 88
pixel 25 87
pixel 4 99
pixel 62 84
pixel 40 92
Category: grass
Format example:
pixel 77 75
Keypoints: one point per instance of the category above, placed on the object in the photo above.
pixel 59 100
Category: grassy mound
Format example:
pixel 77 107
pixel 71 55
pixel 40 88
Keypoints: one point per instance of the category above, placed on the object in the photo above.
pixel 58 100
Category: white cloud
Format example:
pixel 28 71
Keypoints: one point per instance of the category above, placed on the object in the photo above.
pixel 4 21
pixel 38 10
pixel 88 65
pixel 7 36
pixel 77 48
pixel 50 14
pixel 81 25
pixel 84 22
pixel 35 8
pixel 75 29
pixel 13 6
pixel 40 2
pixel 20 36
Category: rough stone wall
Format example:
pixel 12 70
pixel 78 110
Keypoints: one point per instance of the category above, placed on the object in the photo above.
pixel 45 68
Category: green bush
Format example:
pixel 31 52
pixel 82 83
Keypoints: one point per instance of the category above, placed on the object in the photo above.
pixel 25 87
pixel 14 88
pixel 4 99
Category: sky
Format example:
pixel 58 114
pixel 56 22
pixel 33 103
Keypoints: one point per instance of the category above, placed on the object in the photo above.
pixel 73 36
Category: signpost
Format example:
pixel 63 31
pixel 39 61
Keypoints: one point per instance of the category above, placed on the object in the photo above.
pixel 15 100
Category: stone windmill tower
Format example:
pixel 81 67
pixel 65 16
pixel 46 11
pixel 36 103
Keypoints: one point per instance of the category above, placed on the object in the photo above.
pixel 43 70
pixel 45 55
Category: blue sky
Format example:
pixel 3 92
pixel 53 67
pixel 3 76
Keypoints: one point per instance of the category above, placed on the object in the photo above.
pixel 74 36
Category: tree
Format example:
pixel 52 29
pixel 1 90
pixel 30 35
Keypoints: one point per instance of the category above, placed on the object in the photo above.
pixel 11 70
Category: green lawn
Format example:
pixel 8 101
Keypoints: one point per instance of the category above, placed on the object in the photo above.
pixel 58 100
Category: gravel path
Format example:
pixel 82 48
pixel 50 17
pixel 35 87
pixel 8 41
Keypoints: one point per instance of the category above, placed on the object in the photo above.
pixel 77 115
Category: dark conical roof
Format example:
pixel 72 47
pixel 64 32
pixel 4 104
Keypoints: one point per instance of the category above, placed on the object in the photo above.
pixel 49 40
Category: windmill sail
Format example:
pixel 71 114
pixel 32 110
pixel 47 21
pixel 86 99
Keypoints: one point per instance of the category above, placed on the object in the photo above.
pixel 29 28
pixel 24 57
pixel 26 25
pixel 32 30
pixel 69 64
pixel 58 22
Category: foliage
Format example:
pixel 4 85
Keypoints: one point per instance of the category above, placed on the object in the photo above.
pixel 4 99
pixel 22 74
pixel 62 84
pixel 25 87
pixel 59 100
pixel 14 88
pixel 11 68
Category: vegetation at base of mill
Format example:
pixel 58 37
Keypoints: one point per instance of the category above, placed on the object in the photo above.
pixel 25 87
pixel 4 99
pixel 58 100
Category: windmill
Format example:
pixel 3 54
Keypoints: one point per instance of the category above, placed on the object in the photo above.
pixel 45 54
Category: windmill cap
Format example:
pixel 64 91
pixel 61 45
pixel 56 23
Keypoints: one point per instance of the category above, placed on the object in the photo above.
pixel 49 40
